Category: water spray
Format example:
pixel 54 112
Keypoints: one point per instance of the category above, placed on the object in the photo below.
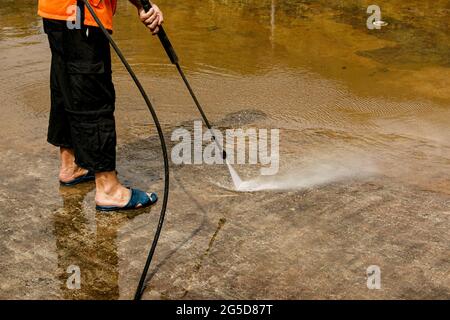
pixel 174 60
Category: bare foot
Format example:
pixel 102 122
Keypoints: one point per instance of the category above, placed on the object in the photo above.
pixel 69 169
pixel 110 192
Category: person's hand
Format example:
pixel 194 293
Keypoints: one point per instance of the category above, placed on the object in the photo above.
pixel 152 19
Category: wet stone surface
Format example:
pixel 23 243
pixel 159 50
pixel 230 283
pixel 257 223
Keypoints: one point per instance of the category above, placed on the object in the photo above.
pixel 364 159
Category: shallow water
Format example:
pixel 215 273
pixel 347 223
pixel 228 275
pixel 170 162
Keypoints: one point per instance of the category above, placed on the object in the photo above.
pixel 364 149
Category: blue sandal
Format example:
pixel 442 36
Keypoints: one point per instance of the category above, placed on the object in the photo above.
pixel 89 176
pixel 139 199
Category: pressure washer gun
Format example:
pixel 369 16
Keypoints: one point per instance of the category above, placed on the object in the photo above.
pixel 162 36
pixel 174 59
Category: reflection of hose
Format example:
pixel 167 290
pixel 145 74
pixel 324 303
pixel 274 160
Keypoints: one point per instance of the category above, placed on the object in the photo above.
pixel 139 290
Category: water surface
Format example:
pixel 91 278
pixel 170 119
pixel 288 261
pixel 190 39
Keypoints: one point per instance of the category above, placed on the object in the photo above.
pixel 365 155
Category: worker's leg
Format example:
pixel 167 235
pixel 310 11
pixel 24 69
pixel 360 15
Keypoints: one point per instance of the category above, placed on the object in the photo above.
pixel 91 116
pixel 59 130
pixel 91 102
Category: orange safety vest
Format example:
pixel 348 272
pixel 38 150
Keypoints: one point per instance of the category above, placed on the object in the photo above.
pixel 66 10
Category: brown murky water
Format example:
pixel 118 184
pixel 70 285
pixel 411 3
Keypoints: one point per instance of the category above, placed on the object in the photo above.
pixel 364 147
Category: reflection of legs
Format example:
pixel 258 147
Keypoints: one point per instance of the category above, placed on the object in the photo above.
pixel 94 253
pixel 74 241
pixel 107 260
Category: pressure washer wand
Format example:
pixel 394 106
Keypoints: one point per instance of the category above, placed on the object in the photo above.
pixel 174 59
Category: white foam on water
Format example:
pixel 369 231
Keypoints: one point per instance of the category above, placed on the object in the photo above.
pixel 310 175
pixel 234 176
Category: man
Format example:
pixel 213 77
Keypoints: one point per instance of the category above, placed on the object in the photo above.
pixel 82 121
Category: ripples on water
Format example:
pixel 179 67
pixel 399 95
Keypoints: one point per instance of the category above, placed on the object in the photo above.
pixel 306 65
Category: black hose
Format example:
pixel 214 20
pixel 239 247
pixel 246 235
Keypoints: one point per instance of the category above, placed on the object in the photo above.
pixel 146 5
pixel 140 287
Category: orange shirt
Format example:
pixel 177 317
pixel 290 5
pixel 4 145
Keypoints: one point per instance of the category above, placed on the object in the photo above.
pixel 65 10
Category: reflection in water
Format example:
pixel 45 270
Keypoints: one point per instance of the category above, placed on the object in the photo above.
pixel 272 22
pixel 408 58
pixel 18 18
pixel 90 246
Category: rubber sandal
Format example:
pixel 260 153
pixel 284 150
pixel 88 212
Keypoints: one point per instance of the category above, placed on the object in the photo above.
pixel 89 176
pixel 139 199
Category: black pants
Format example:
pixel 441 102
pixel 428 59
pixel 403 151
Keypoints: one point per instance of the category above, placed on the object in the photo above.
pixel 82 95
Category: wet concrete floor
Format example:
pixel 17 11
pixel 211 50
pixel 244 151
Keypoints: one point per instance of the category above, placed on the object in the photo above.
pixel 364 157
